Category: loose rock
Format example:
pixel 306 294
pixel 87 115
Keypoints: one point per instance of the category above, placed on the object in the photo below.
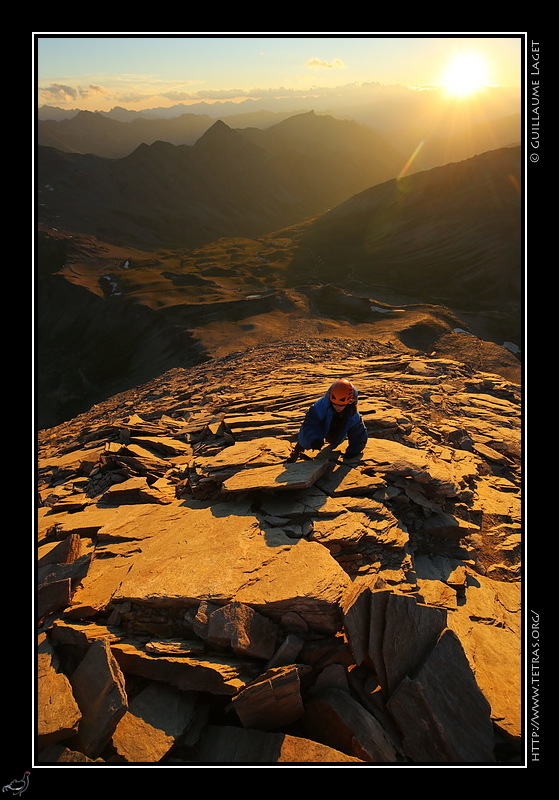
pixel 233 608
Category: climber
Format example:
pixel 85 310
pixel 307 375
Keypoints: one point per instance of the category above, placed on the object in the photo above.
pixel 331 419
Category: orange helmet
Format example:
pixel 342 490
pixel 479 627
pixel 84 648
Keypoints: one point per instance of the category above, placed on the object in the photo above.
pixel 341 393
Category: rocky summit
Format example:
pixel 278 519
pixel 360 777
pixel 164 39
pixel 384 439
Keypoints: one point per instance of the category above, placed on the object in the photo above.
pixel 203 601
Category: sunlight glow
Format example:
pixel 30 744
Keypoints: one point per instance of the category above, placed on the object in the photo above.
pixel 466 75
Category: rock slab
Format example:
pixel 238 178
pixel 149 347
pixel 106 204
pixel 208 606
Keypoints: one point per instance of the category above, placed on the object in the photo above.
pixel 99 688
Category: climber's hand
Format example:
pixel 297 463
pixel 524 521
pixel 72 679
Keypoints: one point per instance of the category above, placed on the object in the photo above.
pixel 294 455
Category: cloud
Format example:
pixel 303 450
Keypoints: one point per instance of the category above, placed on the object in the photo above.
pixel 97 95
pixel 336 63
pixel 63 93
pixel 211 94
pixel 93 89
pixel 270 93
pixel 59 92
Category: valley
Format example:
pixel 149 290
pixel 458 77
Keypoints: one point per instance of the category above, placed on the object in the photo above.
pixel 174 255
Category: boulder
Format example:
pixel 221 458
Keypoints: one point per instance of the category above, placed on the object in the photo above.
pixel 58 714
pixel 243 630
pixel 336 719
pixel 440 711
pixel 99 688
pixel 272 701
pixel 156 717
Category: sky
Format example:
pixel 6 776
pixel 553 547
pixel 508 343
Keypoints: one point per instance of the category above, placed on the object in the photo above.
pixel 96 72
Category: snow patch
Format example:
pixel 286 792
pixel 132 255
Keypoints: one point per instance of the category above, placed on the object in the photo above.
pixel 514 348
pixel 113 286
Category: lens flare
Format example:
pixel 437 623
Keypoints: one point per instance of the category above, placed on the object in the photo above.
pixel 411 159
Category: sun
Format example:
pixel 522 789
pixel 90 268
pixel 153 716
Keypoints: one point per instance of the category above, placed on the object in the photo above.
pixel 466 75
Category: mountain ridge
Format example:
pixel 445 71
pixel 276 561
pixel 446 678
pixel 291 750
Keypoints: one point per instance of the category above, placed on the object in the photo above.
pixel 469 257
pixel 267 187
pixel 419 145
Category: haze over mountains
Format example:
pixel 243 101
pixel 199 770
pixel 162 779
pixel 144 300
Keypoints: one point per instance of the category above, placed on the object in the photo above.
pixel 228 183
pixel 239 235
pixel 379 106
pixel 410 122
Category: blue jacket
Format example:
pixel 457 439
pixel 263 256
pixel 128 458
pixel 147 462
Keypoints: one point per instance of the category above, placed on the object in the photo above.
pixel 318 419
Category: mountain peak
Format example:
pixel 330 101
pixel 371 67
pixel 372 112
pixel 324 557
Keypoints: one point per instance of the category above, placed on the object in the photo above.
pixel 218 132
pixel 222 141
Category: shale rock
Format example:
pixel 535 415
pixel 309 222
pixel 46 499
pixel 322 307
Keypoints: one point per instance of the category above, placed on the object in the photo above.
pixel 156 717
pixel 58 712
pixel 230 745
pixel 202 600
pixel 99 688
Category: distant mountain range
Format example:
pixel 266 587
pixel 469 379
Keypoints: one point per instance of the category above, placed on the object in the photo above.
pixel 229 183
pixel 422 140
pixel 103 135
pixel 99 135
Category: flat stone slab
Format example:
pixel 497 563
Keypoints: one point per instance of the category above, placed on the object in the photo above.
pixel 352 527
pixel 107 521
pixel 349 480
pixel 134 490
pixel 446 477
pixel 491 500
pixel 81 461
pixel 302 503
pixel 218 675
pixel 120 522
pixel 255 453
pixel 216 555
pixel 299 475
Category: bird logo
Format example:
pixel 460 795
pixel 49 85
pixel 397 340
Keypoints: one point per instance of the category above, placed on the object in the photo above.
pixel 17 787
